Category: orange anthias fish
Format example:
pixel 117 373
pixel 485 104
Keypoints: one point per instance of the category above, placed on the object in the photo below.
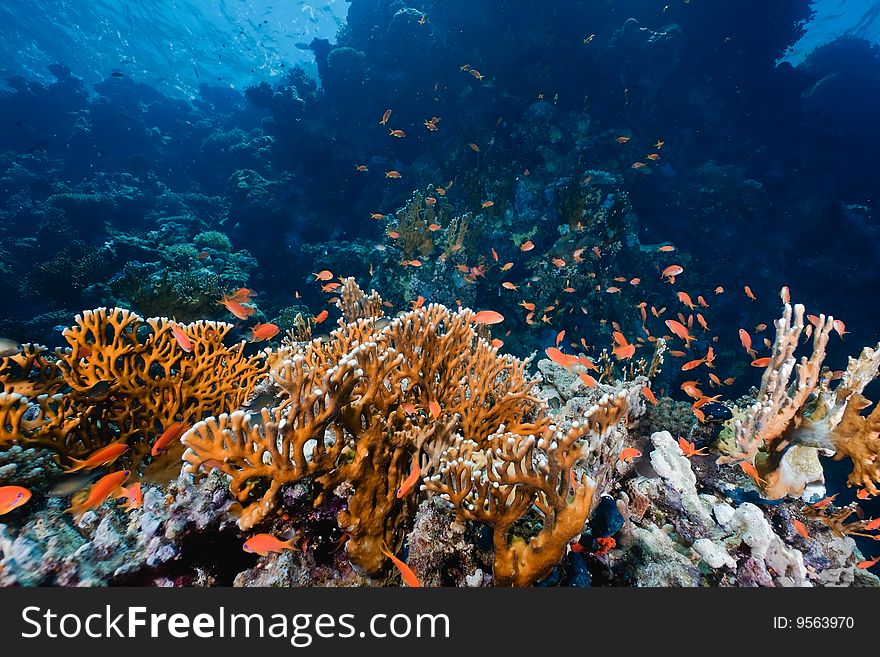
pixel 321 316
pixel 692 364
pixel 685 298
pixel 561 359
pixel 801 528
pixel 405 571
pixel 262 332
pixel 874 524
pixel 689 449
pixel 385 116
pixel 414 474
pixel 264 544
pixel 434 409
pixel 104 456
pixel 746 341
pixel 825 501
pixel 181 337
pixel 99 492
pixel 587 380
pixel 172 433
pixel 750 470
pixel 528 245
pixel 868 563
pixel 749 293
pixel 488 317
pixel 681 331
pixel 629 454
pixel 622 139
pixel 666 248
pixel 649 395
pixel 323 275
pixel 392 174
pixel 760 362
pixel 237 308
pixel 396 133
pixel 671 272
pixel 133 495
pixel 12 497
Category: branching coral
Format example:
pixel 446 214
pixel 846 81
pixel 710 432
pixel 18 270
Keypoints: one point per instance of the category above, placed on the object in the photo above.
pixel 121 378
pixel 358 407
pixel 500 480
pixel 797 405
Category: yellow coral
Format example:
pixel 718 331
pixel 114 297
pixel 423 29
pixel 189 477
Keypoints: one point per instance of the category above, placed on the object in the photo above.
pixel 121 378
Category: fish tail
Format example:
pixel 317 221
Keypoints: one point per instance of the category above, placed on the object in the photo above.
pixel 77 465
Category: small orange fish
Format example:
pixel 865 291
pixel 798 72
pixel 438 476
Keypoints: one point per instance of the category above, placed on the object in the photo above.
pixel 873 525
pixel 863 494
pixel 506 266
pixel 801 528
pixel 488 317
pixel 558 262
pixel 487 204
pixel 749 293
pixel 434 409
pixel 12 497
pixel 392 174
pixel 133 495
pixel 564 360
pixel 385 116
pixel 528 245
pixel 649 395
pixel 685 298
pixel 629 454
pixel 434 227
pixel 785 294
pixel 406 572
pixel 326 274
pixel 760 362
pixel 497 344
pixel 181 337
pixel 430 125
pixel 612 290
pixel 264 544
pixel 528 305
pixel 587 380
pixel 719 290
pixel 638 165
pixel 666 248
pixel 238 309
pixel 681 331
pixel 825 501
pixel 330 287
pixel 868 563
pixel 99 492
pixel 262 332
pixel 622 139
pixel 476 74
pixel 692 364
pixel 414 474
pixel 653 157
pixel 104 456
pixel 507 285
pixel 750 470
pixel 474 147
pixel 839 328
pixel 746 341
pixel 321 316
pixel 671 272
pixel 689 449
pixel 396 133
pixel 171 434
pixel 361 167
pixel 377 215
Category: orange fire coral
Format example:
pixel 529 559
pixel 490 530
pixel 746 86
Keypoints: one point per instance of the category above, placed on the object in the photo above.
pixel 500 480
pixel 356 407
pixel 121 378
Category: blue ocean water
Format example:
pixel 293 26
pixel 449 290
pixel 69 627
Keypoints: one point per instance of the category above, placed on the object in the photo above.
pixel 548 161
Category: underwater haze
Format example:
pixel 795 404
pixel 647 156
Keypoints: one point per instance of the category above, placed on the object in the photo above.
pixel 438 292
